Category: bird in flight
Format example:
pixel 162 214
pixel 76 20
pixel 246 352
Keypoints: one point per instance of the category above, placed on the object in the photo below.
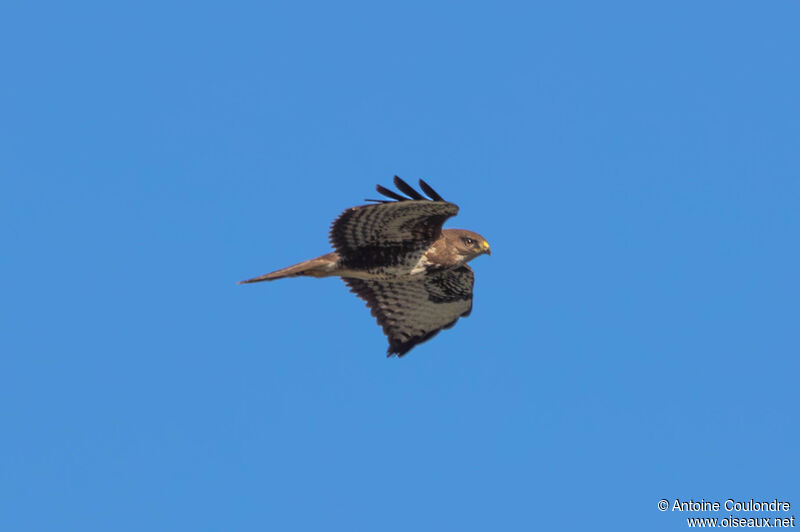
pixel 395 255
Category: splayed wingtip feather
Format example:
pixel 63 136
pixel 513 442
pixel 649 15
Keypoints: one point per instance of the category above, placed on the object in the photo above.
pixel 389 193
pixel 427 189
pixel 407 189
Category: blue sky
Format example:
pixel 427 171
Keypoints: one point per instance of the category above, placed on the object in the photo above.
pixel 635 332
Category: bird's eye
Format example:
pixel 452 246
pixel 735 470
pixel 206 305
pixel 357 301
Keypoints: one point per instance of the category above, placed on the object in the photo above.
pixel 468 241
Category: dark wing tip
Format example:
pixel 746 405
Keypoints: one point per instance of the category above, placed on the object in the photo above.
pixel 400 348
pixel 407 189
pixel 399 351
pixel 428 190
pixel 389 193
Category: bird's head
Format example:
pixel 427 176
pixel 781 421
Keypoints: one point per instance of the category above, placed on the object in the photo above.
pixel 467 243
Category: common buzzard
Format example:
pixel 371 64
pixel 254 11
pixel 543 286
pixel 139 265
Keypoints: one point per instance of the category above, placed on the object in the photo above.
pixel 395 255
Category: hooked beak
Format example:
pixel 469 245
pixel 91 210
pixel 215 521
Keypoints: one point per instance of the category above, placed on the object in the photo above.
pixel 485 247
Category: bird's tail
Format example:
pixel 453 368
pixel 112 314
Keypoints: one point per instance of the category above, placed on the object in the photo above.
pixel 323 266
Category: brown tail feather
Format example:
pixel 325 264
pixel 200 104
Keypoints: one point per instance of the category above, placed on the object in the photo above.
pixel 319 267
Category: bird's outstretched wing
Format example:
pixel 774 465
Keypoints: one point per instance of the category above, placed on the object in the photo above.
pixel 411 312
pixel 388 231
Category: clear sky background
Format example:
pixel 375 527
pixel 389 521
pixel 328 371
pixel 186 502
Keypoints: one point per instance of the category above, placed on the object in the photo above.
pixel 634 165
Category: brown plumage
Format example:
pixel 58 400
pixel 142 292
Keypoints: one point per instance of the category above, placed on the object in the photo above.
pixel 395 255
